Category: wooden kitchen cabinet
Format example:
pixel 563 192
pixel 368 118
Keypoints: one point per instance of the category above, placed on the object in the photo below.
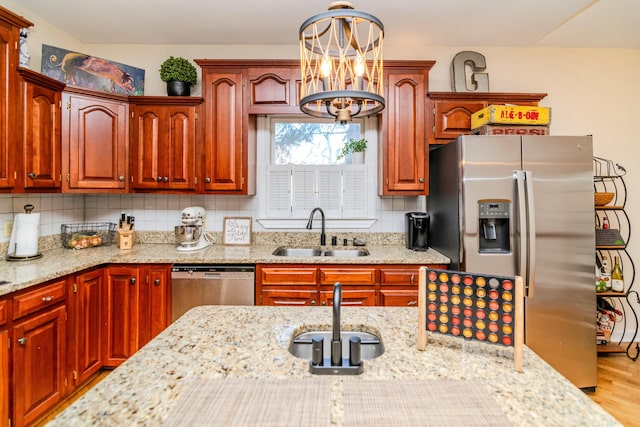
pixel 358 285
pixel 450 112
pixel 404 154
pixel 41 100
pixel 286 285
pixel 95 141
pixel 274 87
pixel 38 355
pixel 399 285
pixel 5 374
pixel 163 142
pixel 10 25
pixel 120 325
pixel 138 308
pixel 229 156
pixel 86 305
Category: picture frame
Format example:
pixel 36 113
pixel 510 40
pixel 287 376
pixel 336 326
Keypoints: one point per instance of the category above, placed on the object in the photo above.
pixel 236 230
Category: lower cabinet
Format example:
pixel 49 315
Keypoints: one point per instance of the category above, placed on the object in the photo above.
pixel 85 306
pixel 137 309
pixel 367 285
pixel 38 355
pixel 4 377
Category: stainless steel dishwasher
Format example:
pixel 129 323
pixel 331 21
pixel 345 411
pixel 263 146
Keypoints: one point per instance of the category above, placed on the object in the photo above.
pixel 200 284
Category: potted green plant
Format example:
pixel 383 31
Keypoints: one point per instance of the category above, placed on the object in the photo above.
pixel 179 74
pixel 354 150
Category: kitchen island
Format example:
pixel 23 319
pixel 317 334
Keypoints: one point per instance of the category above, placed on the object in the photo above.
pixel 231 342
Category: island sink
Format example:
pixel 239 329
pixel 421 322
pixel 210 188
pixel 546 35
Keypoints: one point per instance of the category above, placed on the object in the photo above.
pixel 371 345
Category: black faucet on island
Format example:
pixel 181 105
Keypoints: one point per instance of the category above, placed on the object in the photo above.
pixel 323 237
pixel 336 341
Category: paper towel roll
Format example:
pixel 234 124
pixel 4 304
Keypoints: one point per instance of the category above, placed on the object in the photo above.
pixel 24 235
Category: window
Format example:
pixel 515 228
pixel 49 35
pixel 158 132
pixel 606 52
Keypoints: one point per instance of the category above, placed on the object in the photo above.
pixel 303 170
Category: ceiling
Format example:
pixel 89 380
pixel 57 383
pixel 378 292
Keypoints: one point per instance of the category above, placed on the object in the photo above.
pixel 468 23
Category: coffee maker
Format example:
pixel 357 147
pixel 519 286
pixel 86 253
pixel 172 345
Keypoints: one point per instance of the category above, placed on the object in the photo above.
pixel 417 231
pixel 191 236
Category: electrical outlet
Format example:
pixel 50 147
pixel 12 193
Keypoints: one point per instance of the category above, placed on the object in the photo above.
pixel 8 226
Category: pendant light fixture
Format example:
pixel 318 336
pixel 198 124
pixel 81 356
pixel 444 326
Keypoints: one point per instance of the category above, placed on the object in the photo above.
pixel 341 63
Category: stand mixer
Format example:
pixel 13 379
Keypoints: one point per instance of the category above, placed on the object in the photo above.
pixel 191 236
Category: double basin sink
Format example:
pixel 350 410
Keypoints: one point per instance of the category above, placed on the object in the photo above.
pixel 317 252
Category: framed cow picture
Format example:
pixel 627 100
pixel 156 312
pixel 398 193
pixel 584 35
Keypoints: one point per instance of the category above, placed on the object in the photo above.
pixel 91 72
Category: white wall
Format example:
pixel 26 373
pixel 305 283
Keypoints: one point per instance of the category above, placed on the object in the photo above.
pixel 591 91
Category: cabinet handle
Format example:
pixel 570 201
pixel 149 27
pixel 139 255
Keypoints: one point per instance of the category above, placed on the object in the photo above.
pixel 31 175
pixel 207 180
pixel 159 179
pixel 412 302
pixel 121 178
pixel 156 282
pixel 412 278
pixel 132 281
pixel 47 298
pixel 22 341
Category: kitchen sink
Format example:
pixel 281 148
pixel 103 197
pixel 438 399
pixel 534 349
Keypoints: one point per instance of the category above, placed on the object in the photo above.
pixel 297 252
pixel 346 253
pixel 312 252
pixel 371 345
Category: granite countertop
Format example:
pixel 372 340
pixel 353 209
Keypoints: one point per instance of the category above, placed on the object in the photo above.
pixel 211 342
pixel 59 262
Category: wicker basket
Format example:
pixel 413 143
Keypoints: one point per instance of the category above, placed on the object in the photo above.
pixel 87 235
pixel 602 199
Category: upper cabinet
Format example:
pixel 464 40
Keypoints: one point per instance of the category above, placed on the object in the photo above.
pixel 450 112
pixel 403 144
pixel 10 25
pixel 163 142
pixel 274 87
pixel 95 141
pixel 229 146
pixel 41 96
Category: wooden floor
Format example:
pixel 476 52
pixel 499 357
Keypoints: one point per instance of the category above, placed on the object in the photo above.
pixel 618 389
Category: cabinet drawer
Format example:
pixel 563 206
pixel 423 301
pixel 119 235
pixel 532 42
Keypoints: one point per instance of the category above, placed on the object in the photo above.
pixel 348 276
pixel 4 312
pixel 408 276
pixel 398 298
pixel 288 276
pixel 39 298
pixel 350 297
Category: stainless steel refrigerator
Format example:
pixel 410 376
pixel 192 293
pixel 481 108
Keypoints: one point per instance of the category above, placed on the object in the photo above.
pixel 523 205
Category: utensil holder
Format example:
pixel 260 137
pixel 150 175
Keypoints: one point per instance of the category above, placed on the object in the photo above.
pixel 125 239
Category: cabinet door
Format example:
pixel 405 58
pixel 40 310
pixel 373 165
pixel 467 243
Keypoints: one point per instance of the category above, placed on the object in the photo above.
pixel 225 139
pixel 272 90
pixel 41 136
pixel 121 323
pixel 4 377
pixel 38 364
pixel 86 309
pixel 453 118
pixel 155 306
pixel 163 146
pixel 398 297
pixel 95 143
pixel 404 141
pixel 8 64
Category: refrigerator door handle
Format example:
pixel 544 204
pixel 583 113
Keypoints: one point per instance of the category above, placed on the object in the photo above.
pixel 531 238
pixel 521 209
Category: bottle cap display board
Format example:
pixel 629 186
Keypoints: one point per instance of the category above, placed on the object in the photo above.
pixel 473 306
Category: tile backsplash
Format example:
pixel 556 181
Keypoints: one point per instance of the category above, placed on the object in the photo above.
pixel 161 212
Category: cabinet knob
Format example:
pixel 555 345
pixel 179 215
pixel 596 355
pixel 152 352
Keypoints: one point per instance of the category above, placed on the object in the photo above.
pixel 166 179
pixel 324 303
pixel 31 175
pixel 421 180
pixel 313 302
pixel 207 180
pixel 132 281
pixel 159 179
pixel 22 341
pixel 121 178
pixel 156 282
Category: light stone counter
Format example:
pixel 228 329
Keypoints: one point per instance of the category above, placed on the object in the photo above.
pixel 251 342
pixel 59 262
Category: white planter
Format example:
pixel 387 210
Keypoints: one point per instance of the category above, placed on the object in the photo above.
pixel 357 158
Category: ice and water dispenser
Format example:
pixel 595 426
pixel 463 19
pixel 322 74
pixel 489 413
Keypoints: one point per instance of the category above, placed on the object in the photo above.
pixel 493 227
